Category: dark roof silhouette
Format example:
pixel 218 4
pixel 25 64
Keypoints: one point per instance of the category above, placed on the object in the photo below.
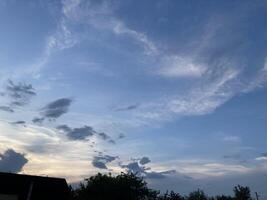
pixel 26 187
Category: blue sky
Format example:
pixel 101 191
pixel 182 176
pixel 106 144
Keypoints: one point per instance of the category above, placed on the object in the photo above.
pixel 174 90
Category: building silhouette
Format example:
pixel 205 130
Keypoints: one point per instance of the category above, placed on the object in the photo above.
pixel 25 187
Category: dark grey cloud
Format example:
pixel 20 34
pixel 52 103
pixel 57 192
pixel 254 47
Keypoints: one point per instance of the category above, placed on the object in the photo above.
pixel 38 120
pixel 19 123
pixel 11 161
pixel 6 109
pixel 104 136
pixel 264 154
pixel 234 156
pixel 121 136
pixel 111 141
pixel 42 147
pixel 57 108
pixel 163 174
pixel 129 107
pixel 137 167
pixel 20 93
pixel 100 161
pixel 81 133
pixel 144 160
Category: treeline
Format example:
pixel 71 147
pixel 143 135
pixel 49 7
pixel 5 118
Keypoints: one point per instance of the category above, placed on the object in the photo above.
pixel 132 187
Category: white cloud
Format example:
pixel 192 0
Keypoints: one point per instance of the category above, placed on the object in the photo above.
pixel 258 81
pixel 202 168
pixel 265 65
pixel 62 38
pixel 231 138
pixel 202 99
pixel 49 153
pixel 101 16
pixel 262 158
pixel 177 66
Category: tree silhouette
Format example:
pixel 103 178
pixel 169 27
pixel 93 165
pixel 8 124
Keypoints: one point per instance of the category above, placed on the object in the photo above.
pixel 197 195
pixel 129 186
pixel 242 193
pixel 223 197
pixel 171 196
pixel 121 187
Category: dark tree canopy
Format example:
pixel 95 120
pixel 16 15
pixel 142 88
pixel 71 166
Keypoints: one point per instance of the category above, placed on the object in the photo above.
pixel 129 186
pixel 197 195
pixel 121 187
pixel 242 193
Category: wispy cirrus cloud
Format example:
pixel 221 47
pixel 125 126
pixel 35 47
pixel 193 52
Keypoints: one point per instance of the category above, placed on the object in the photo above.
pixel 178 67
pixel 100 15
pixel 217 74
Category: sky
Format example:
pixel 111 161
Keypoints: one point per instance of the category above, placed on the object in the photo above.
pixel 173 90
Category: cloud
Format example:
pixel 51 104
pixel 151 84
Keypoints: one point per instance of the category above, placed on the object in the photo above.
pixel 81 133
pixel 139 168
pixel 144 160
pixel 6 109
pixel 159 175
pixel 177 67
pixel 20 93
pixel 231 138
pixel 218 74
pixel 112 141
pixel 126 108
pixel 134 167
pixel 38 120
pixel 19 123
pixel 201 100
pixel 100 161
pixel 234 156
pixel 100 15
pixel 262 157
pixel 121 136
pixel 11 161
pixel 104 136
pixel 56 108
pixel 62 38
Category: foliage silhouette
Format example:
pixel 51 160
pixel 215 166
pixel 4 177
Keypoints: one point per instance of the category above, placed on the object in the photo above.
pixel 223 197
pixel 242 193
pixel 121 187
pixel 171 196
pixel 197 195
pixel 129 186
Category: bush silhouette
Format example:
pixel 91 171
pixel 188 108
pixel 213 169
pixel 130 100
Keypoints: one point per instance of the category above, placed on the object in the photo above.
pixel 121 187
pixel 242 193
pixel 197 195
pixel 129 186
